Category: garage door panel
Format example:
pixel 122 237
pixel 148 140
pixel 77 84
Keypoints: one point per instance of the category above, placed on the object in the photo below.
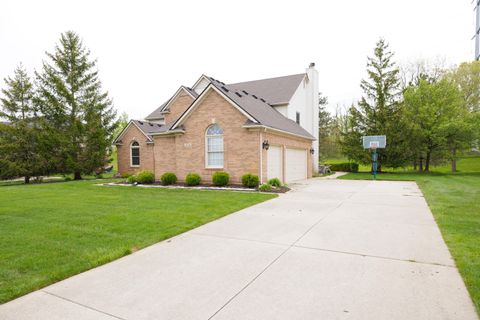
pixel 274 162
pixel 295 164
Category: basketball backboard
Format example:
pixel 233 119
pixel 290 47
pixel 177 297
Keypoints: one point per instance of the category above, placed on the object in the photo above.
pixel 374 142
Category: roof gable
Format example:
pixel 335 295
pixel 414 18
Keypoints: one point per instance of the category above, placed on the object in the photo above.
pixel 201 84
pixel 158 113
pixel 199 100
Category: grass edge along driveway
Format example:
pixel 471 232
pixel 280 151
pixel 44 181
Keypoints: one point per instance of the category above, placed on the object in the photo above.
pixel 454 200
pixel 49 232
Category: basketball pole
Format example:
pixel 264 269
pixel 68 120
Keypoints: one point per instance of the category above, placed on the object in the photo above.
pixel 374 165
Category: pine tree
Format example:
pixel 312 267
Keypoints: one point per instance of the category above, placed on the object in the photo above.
pixel 78 115
pixel 19 137
pixel 378 112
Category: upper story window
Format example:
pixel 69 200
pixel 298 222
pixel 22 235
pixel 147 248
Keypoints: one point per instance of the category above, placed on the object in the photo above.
pixel 214 146
pixel 135 154
pixel 297 117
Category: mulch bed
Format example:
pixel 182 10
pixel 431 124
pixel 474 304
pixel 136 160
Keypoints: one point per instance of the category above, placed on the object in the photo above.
pixel 232 187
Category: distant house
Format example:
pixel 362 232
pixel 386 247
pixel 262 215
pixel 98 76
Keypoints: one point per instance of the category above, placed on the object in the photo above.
pixel 265 127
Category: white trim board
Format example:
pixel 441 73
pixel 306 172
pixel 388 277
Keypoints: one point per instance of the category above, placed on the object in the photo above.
pixel 125 130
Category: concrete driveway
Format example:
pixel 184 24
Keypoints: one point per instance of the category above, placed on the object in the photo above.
pixel 330 249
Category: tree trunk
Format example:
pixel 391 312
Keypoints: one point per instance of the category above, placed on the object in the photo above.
pixel 420 167
pixel 427 162
pixel 415 164
pixel 454 160
pixel 77 176
pixel 27 179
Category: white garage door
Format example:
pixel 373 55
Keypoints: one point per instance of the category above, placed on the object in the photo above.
pixel 274 162
pixel 295 165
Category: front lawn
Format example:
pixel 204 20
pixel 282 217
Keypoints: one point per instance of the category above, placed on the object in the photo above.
pixel 455 202
pixel 51 231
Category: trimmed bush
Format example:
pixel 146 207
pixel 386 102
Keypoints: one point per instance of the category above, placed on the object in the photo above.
pixel 168 178
pixel 220 178
pixel 250 181
pixel 344 166
pixel 193 179
pixel 275 182
pixel 131 179
pixel 146 177
pixel 265 187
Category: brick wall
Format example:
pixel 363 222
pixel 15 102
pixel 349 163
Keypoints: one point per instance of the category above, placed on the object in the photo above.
pixel 185 153
pixel 123 151
pixel 241 146
pixel 177 107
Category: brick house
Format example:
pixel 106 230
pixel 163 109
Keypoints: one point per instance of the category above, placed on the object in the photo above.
pixel 265 127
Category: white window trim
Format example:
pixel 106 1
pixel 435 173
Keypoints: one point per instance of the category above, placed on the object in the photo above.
pixel 137 147
pixel 206 150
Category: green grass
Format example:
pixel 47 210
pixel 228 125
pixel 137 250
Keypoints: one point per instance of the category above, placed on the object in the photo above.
pixel 454 199
pixel 51 231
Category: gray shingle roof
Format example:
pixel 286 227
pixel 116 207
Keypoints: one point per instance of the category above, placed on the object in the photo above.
pixel 148 127
pixel 261 111
pixel 275 90
pixel 255 98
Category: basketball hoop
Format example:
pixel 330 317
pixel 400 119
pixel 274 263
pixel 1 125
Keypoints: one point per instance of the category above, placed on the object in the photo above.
pixel 373 143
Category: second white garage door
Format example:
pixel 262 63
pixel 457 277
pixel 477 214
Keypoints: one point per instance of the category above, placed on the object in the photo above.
pixel 295 164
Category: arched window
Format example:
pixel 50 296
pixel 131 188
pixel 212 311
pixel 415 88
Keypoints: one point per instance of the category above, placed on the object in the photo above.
pixel 134 154
pixel 214 146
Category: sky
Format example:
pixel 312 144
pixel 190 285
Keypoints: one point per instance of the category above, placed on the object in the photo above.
pixel 146 49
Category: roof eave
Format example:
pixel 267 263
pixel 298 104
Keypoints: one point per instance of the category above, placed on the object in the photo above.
pixel 170 132
pixel 261 126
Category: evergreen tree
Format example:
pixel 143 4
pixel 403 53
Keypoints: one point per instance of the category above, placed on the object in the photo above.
pixel 19 137
pixel 78 115
pixel 379 112
pixel 324 123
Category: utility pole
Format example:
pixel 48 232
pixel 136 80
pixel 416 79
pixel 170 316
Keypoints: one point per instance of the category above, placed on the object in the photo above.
pixel 477 29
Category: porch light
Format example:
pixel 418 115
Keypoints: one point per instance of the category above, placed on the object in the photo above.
pixel 312 151
pixel 265 144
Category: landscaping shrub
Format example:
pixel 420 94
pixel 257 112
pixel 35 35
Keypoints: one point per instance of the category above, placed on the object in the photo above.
pixel 193 179
pixel 344 166
pixel 126 175
pixel 265 187
pixel 131 179
pixel 220 178
pixel 250 181
pixel 146 177
pixel 168 178
pixel 275 182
